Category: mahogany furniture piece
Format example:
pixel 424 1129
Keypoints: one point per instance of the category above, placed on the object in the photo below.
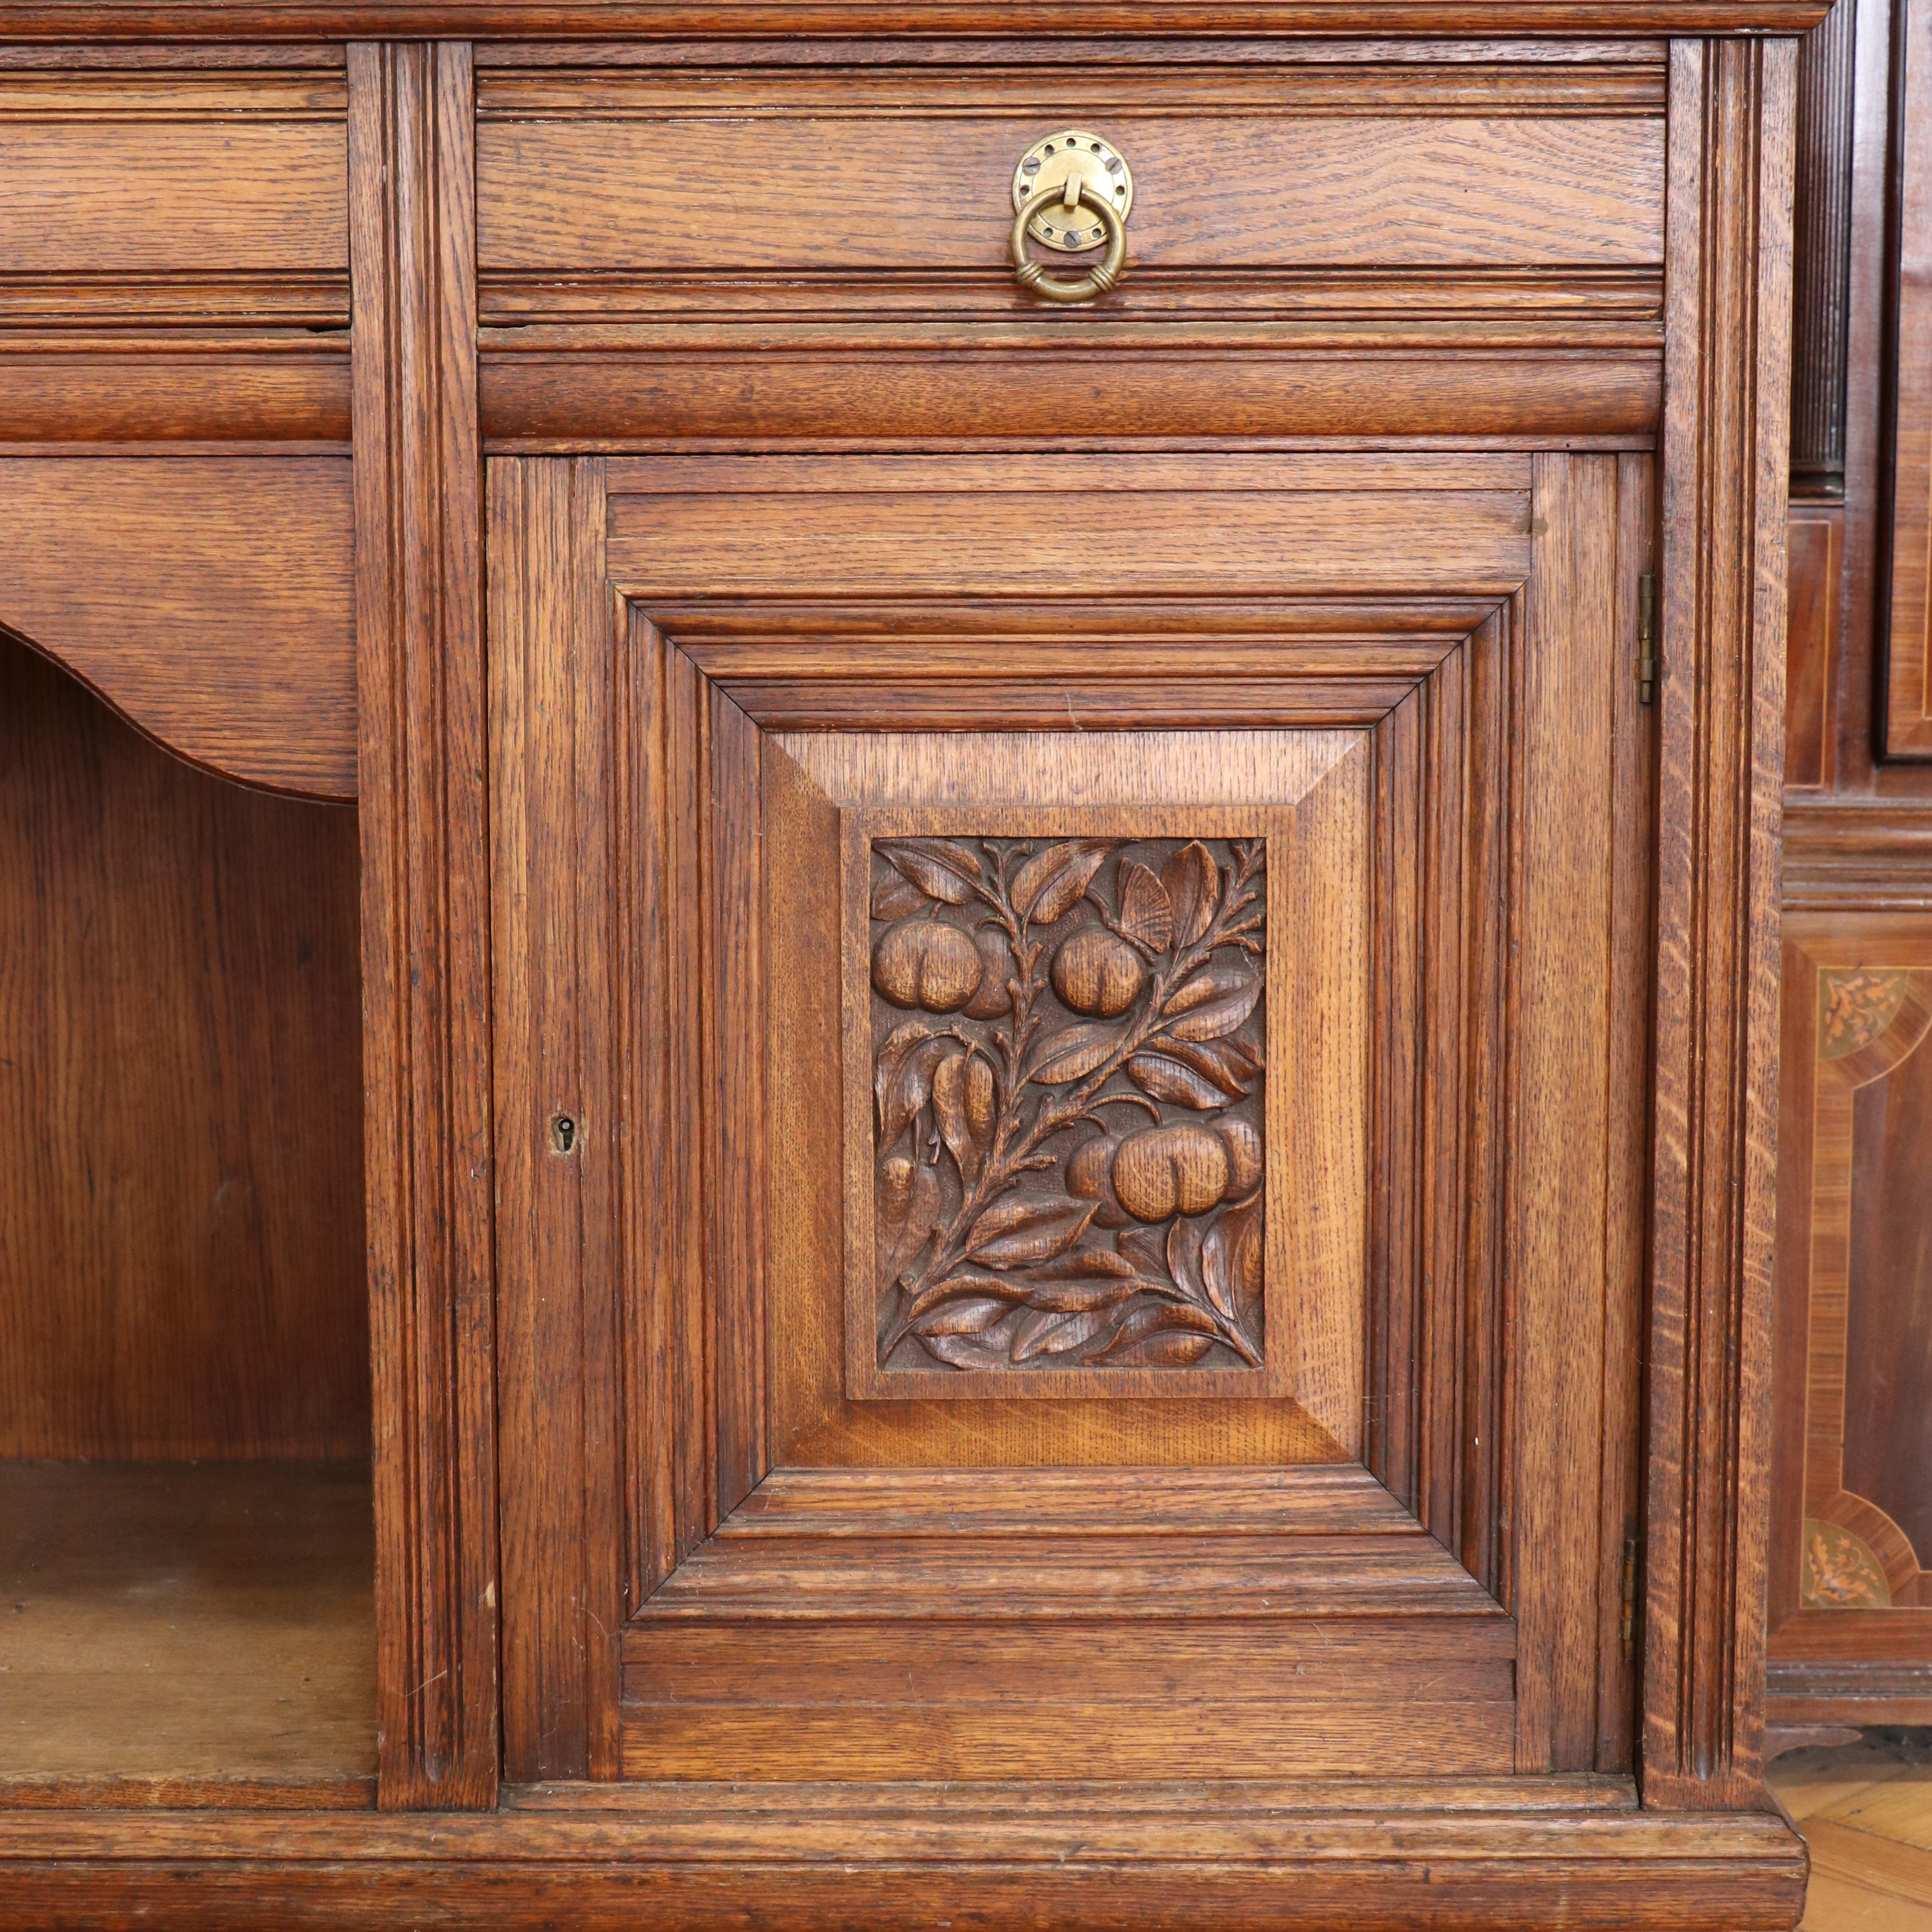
pixel 1850 1618
pixel 1068 1006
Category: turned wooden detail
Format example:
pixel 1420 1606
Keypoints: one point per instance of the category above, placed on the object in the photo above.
pixel 1065 1173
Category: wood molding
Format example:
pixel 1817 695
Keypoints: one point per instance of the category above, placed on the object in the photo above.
pixel 97 388
pixel 233 20
pixel 1857 855
pixel 559 389
pixel 1727 394
pixel 1459 1855
pixel 425 919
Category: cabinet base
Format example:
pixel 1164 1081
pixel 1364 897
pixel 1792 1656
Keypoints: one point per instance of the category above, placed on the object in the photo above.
pixel 1549 1853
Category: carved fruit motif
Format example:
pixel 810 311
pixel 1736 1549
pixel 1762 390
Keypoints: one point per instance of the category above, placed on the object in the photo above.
pixel 1095 973
pixel 922 963
pixel 1105 984
pixel 1164 1171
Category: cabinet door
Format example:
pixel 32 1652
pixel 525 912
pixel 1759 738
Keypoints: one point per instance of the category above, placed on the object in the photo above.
pixel 1070 1047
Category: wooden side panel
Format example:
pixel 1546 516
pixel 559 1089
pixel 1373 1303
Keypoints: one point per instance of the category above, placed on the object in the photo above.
pixel 1814 540
pixel 208 601
pixel 1908 711
pixel 180 1205
pixel 1325 190
pixel 1720 770
pixel 1851 1588
pixel 556 890
pixel 425 920
pixel 197 173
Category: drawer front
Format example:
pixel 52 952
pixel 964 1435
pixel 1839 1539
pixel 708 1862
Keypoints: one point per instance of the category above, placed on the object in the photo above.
pixel 200 174
pixel 898 173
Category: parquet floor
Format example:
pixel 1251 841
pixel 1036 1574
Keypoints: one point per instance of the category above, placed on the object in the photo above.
pixel 1866 1812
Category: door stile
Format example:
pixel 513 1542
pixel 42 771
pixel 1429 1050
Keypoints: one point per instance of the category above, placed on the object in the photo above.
pixel 1721 699
pixel 425 917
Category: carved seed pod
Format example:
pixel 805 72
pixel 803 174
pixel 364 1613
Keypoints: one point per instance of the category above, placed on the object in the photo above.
pixel 920 962
pixel 1088 1172
pixel 1095 973
pixel 996 963
pixel 979 1099
pixel 1244 1155
pixel 1164 1171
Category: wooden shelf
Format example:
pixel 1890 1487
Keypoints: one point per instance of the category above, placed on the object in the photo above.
pixel 174 1633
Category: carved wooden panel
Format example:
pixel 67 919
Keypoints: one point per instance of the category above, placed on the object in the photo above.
pixel 1068 1153
pixel 1078 976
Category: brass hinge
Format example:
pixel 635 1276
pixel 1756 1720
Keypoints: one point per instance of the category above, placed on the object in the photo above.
pixel 1646 637
pixel 1629 1624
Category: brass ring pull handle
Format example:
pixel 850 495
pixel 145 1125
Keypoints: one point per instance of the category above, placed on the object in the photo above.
pixel 1098 280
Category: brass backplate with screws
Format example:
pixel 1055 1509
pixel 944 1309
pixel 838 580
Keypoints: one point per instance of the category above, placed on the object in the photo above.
pixel 1047 164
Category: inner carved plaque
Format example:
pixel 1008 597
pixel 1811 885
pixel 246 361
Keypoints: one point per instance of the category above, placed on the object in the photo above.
pixel 1069 1059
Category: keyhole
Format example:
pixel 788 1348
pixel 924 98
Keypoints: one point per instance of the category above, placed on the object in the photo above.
pixel 563 1133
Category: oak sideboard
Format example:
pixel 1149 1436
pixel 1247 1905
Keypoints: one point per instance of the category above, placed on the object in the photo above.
pixel 922 870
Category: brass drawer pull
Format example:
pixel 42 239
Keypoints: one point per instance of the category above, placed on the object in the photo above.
pixel 1056 179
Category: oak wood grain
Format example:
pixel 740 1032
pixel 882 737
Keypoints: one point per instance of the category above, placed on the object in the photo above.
pixel 181 1213
pixel 194 173
pixel 209 602
pixel 93 390
pixel 1908 688
pixel 212 1620
pixel 118 20
pixel 1456 1854
pixel 617 187
pixel 559 1185
pixel 1720 770
pixel 567 389
pixel 420 676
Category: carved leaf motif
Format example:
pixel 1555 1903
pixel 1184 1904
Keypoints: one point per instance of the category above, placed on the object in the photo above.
pixel 1054 1334
pixel 1028 1228
pixel 941 868
pixel 1219 1016
pixel 978 1287
pixel 1167 1078
pixel 1022 1247
pixel 964 1314
pixel 1193 886
pixel 896 897
pixel 1162 1334
pixel 1049 885
pixel 962 1351
pixel 1075 1051
pixel 1203 1074
pixel 1145 913
pixel 1231 1258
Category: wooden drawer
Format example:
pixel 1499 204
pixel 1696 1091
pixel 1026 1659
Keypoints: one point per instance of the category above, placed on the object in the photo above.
pixel 875 183
pixel 197 175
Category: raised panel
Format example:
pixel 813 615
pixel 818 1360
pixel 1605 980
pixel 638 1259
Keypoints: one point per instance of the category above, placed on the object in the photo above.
pixel 126 174
pixel 1453 964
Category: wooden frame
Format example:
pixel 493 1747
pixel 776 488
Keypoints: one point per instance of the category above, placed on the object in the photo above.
pixel 439 1115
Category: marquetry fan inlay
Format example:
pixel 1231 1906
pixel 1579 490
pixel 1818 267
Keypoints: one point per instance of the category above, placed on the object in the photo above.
pixel 1068 1062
